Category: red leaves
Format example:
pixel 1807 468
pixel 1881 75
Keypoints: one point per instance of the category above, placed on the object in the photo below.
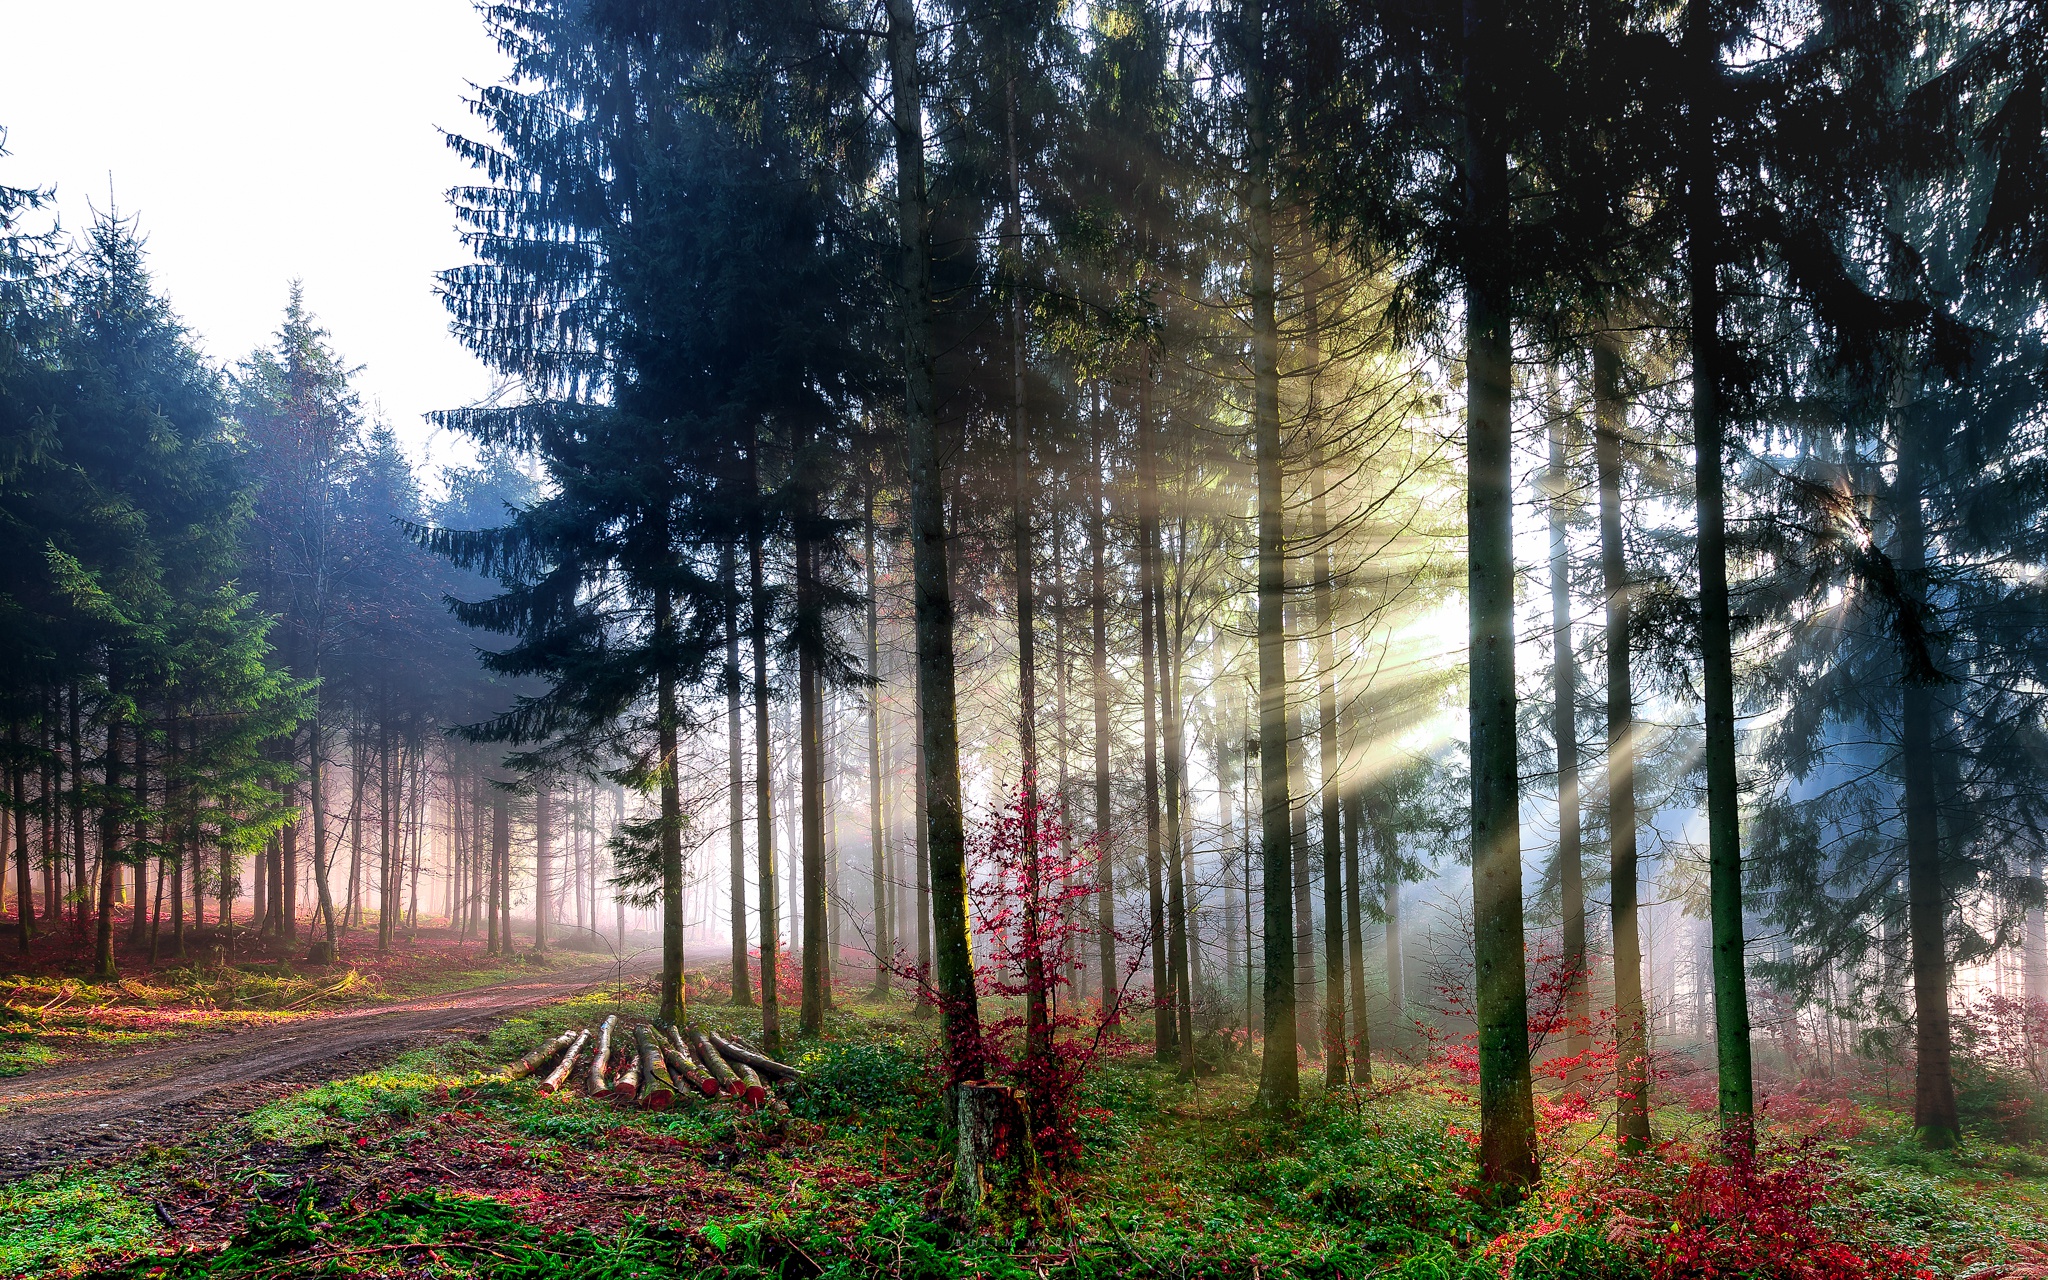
pixel 1774 1217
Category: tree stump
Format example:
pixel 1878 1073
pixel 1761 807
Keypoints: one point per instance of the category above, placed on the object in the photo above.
pixel 995 1167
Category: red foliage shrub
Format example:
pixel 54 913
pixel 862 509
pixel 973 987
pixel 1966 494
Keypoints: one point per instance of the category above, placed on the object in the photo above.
pixel 1773 1217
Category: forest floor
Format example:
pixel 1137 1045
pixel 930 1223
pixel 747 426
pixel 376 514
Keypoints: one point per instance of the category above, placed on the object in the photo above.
pixel 52 1012
pixel 430 1166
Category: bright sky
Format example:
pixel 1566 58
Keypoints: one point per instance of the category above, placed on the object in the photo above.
pixel 259 140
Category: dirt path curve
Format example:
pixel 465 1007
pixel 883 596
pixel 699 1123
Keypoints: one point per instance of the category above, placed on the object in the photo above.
pixel 72 1113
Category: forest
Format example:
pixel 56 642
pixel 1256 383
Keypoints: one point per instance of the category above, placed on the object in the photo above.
pixel 1314 638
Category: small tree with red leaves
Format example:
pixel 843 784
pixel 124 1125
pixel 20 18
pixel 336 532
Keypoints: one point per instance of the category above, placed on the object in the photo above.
pixel 1028 878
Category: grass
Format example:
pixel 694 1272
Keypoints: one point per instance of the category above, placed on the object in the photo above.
pixel 431 1166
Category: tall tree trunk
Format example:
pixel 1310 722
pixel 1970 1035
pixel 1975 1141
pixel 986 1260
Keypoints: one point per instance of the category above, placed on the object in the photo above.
pixel 1163 972
pixel 1702 39
pixel 24 892
pixel 1279 1072
pixel 668 727
pixel 1632 1046
pixel 959 1009
pixel 1507 1123
pixel 110 856
pixel 767 884
pixel 1336 1072
pixel 1180 938
pixel 878 848
pixel 544 858
pixel 316 775
pixel 501 843
pixel 1387 844
pixel 1037 1015
pixel 1098 631
pixel 138 926
pixel 2036 961
pixel 1308 1025
pixel 387 824
pixel 1935 1120
pixel 79 877
pixel 1564 721
pixel 735 779
pixel 811 778
pixel 1353 805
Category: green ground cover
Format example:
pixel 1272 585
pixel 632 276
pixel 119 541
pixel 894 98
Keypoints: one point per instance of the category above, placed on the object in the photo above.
pixel 430 1167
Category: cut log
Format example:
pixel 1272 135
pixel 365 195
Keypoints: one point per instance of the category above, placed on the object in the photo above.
pixel 688 1075
pixel 761 1062
pixel 600 1062
pixel 728 1083
pixel 752 1092
pixel 540 1054
pixel 657 1091
pixel 560 1075
pixel 627 1087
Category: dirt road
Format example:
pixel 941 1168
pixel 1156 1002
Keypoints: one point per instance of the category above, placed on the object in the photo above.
pixel 65 1114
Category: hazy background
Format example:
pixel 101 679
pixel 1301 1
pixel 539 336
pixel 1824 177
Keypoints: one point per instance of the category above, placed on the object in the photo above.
pixel 259 140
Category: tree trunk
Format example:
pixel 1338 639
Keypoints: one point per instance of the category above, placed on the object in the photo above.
pixel 1336 1073
pixel 1564 721
pixel 1164 1048
pixel 959 1009
pixel 316 774
pixel 811 779
pixel 1935 1120
pixel 138 927
pixel 110 859
pixel 1098 628
pixel 387 830
pixel 1702 51
pixel 24 892
pixel 884 947
pixel 1632 1046
pixel 735 779
pixel 544 859
pixel 79 877
pixel 1279 1072
pixel 668 726
pixel 1037 1015
pixel 764 796
pixel 1180 939
pixel 1354 920
pixel 1507 1124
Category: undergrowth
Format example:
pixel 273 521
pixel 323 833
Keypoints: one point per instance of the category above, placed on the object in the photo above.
pixel 433 1166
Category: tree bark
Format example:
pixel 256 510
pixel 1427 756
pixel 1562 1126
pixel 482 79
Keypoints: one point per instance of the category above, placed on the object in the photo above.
pixel 766 882
pixel 811 764
pixel 1279 1072
pixel 1164 1048
pixel 878 857
pixel 735 777
pixel 668 728
pixel 1936 1123
pixel 1507 1124
pixel 1098 629
pixel 959 1009
pixel 1632 1046
pixel 110 858
pixel 1336 1072
pixel 1564 719
pixel 1701 50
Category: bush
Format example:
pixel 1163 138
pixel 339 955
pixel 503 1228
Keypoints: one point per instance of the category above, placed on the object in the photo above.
pixel 1999 1104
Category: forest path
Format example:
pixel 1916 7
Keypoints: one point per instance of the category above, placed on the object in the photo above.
pixel 72 1113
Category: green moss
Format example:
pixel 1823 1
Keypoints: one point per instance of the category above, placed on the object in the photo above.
pixel 59 1222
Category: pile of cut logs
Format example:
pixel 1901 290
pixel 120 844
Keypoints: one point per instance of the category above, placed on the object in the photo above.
pixel 656 1064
